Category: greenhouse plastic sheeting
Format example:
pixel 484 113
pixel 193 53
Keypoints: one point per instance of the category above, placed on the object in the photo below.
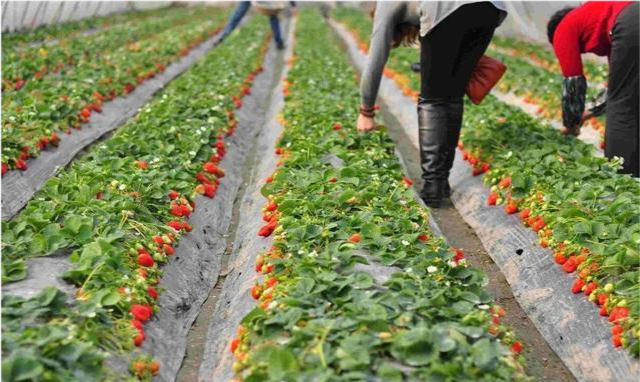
pixel 25 15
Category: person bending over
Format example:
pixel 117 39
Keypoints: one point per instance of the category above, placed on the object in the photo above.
pixel 453 37
pixel 607 29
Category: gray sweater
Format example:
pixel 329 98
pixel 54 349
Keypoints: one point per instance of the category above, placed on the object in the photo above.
pixel 424 14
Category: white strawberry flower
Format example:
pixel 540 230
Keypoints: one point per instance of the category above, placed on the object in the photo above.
pixel 432 269
pixel 405 243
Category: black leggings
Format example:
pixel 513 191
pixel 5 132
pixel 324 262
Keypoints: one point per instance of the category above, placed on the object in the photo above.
pixel 452 49
pixel 621 136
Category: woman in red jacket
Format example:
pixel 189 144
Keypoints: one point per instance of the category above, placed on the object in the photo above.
pixel 606 29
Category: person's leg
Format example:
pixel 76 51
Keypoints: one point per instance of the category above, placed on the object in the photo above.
pixel 621 135
pixel 449 54
pixel 235 18
pixel 275 29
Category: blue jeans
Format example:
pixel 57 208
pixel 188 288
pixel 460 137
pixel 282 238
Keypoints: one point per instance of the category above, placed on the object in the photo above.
pixel 239 13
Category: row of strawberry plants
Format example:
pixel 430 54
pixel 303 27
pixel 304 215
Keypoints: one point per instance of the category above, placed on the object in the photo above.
pixel 318 317
pixel 540 87
pixel 543 56
pixel 120 210
pixel 71 29
pixel 578 204
pixel 21 68
pixel 33 120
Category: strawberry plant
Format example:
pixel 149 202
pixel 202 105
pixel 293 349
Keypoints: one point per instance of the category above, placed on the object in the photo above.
pixel 121 209
pixel 320 315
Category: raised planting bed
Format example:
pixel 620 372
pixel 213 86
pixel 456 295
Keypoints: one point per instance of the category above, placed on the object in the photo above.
pixel 120 212
pixel 356 286
pixel 39 115
pixel 571 326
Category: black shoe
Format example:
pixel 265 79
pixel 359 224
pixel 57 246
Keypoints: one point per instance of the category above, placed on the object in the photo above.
pixel 415 67
pixel 280 45
pixel 432 193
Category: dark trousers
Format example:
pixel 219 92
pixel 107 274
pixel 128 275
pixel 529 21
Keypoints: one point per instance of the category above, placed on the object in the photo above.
pixel 448 55
pixel 451 51
pixel 241 9
pixel 621 136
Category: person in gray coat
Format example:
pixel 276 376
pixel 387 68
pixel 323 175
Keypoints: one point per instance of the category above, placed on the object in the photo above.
pixel 453 36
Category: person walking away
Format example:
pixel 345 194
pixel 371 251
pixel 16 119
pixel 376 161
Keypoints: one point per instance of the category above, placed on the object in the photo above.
pixel 606 29
pixel 270 8
pixel 453 37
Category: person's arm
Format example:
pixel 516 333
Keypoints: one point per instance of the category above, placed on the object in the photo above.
pixel 379 47
pixel 566 44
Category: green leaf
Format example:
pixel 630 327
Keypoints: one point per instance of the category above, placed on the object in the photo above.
pixel 281 362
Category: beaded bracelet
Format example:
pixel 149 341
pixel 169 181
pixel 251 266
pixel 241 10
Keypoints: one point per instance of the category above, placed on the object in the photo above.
pixel 367 111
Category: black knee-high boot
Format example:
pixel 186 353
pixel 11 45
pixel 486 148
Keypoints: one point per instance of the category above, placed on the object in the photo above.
pixel 439 130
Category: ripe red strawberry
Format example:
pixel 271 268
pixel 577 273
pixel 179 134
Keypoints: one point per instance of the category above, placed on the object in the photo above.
pixel 187 227
pixel 278 150
pixel 616 329
pixel 139 338
pixel 337 126
pixel 175 225
pixel 173 195
pixel 476 171
pixel 590 288
pixel 141 313
pixel 407 182
pixel 185 210
pixel 485 167
pixel 210 190
pixel 423 237
pixel 525 213
pixel 603 311
pixel 168 249
pixel 5 168
pixel 516 347
pixel 511 208
pixel 505 182
pixel 459 255
pixel 175 209
pixel 570 265
pixel 54 139
pixel 333 180
pixel 256 291
pixel 265 230
pixel 617 340
pixel 85 112
pixel 618 313
pixel 136 323
pixel 153 293
pixel 234 344
pixel 271 206
pixel 268 179
pixel 21 164
pixel 202 178
pixel 577 286
pixel 158 239
pixel 492 199
pixel 271 282
pixel 142 164
pixel 145 260
pixel 560 258
pixel 602 298
pixel 538 225
pixel 210 167
pixel 355 238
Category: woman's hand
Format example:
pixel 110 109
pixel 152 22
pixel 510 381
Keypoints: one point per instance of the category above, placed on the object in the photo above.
pixel 365 124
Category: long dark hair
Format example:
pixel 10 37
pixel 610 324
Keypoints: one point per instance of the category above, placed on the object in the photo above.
pixel 403 34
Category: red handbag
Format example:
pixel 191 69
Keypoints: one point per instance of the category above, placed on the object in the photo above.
pixel 485 76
